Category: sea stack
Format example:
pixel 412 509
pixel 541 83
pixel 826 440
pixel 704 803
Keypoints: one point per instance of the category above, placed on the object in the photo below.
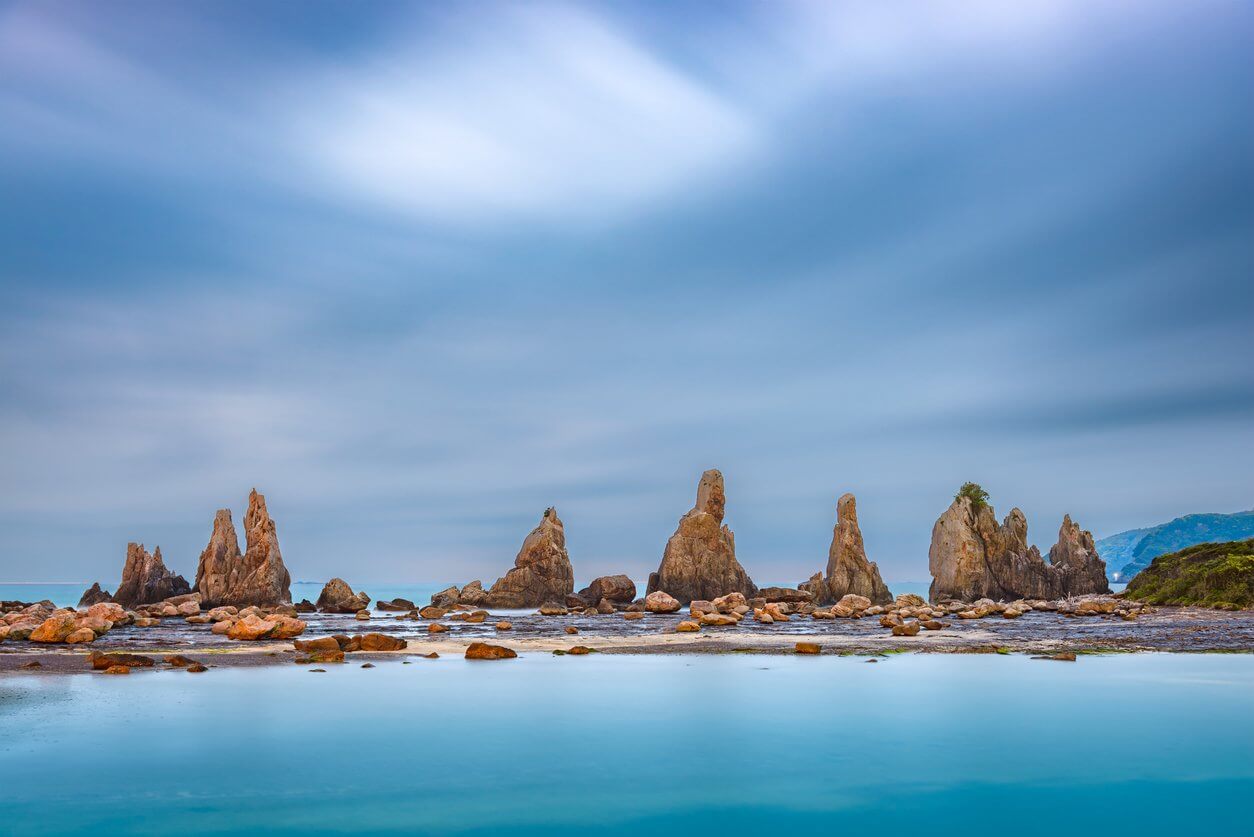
pixel 258 577
pixel 848 570
pixel 699 562
pixel 1075 557
pixel 542 571
pixel 94 595
pixel 972 557
pixel 145 578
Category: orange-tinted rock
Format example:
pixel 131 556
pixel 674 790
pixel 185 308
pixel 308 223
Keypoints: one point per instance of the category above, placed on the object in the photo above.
pixel 382 642
pixel 808 648
pixel 542 570
pixel 484 651
pixel 661 602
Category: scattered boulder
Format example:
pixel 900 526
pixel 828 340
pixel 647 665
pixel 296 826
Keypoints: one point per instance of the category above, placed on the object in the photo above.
pixel 661 602
pixel 542 570
pixel 81 635
pixel 56 628
pixel 605 606
pixel 687 626
pixel 146 579
pixel 322 643
pixel 381 642
pixel 809 648
pixel 404 605
pixel 699 561
pixel 94 595
pixel 338 597
pixel 848 570
pixel 484 651
pixel 179 661
pixel 613 588
pixel 473 594
pixel 101 661
pixel 504 626
pixel 437 628
pixel 117 670
pixel 432 612
pixel 445 599
pixel 305 606
pixel 785 594
pixel 552 609
pixel 906 629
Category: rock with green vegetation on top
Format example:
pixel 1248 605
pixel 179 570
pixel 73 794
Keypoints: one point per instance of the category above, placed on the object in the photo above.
pixel 1217 575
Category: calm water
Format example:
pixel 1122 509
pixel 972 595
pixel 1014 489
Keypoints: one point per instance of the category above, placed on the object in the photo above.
pixel 1144 744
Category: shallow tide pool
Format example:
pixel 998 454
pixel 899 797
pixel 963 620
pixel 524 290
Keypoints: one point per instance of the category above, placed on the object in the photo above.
pixel 1145 743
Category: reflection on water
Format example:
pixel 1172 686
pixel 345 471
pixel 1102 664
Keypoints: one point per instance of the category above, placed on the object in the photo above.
pixel 1134 743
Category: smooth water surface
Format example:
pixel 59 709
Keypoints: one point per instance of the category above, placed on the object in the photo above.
pixel 1144 744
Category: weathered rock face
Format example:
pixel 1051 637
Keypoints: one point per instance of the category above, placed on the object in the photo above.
pixel 616 588
pixel 258 577
pixel 338 597
pixel 972 557
pixel 95 595
pixel 848 570
pixel 145 578
pixel 1075 557
pixel 700 558
pixel 542 570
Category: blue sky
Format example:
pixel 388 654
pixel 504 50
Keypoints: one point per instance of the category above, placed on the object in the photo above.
pixel 419 271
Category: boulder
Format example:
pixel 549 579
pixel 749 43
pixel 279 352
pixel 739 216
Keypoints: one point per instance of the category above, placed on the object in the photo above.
pixel 258 577
pixel 615 588
pixel 605 606
pixel 848 570
pixel 972 557
pixel 699 561
pixel 432 612
pixel 146 579
pixel 101 661
pixel 504 626
pixel 56 628
pixel 473 594
pixel 687 626
pixel 305 606
pixel 445 599
pixel 552 609
pixel 338 597
pixel 395 605
pixel 816 588
pixel 906 629
pixel 808 648
pixel 484 651
pixel 785 594
pixel 94 595
pixel 81 635
pixel 661 602
pixel 437 628
pixel 381 642
pixel 322 643
pixel 542 570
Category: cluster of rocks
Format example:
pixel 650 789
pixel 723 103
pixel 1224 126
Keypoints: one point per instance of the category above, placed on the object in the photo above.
pixel 224 575
pixel 41 622
pixel 541 573
pixel 120 663
pixel 972 557
pixel 331 649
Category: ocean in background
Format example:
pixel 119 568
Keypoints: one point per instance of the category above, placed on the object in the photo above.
pixel 1141 744
pixel 67 594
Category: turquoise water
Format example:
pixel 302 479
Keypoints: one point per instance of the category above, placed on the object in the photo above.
pixel 1143 744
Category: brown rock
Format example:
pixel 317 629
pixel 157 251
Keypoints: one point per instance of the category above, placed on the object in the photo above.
pixel 504 626
pixel 258 577
pixel 95 595
pixel 906 629
pixel 101 661
pixel 81 635
pixel 687 627
pixel 1081 570
pixel 605 606
pixel 717 619
pixel 661 602
pixel 700 558
pixel 179 661
pixel 542 570
pixel 322 643
pixel 381 642
pixel 436 628
pixel 579 650
pixel 56 628
pixel 632 615
pixel 484 651
pixel 432 612
pixel 473 594
pixel 117 670
pixel 848 570
pixel 552 609
pixel 785 594
pixel 338 597
pixel 396 605
pixel 196 668
pixel 251 628
pixel 146 579
pixel 615 588
pixel 808 648
pixel 571 629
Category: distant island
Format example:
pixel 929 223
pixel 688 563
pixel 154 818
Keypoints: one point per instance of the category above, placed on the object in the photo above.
pixel 1127 553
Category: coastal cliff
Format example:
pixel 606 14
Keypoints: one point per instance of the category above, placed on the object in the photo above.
pixel 699 562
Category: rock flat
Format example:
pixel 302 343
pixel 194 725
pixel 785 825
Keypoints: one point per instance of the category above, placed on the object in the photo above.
pixel 848 570
pixel 145 578
pixel 542 570
pixel 700 558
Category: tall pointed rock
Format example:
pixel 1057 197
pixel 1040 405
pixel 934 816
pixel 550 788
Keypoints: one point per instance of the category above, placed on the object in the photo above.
pixel 145 578
pixel 542 571
pixel 257 577
pixel 1076 560
pixel 700 558
pixel 848 570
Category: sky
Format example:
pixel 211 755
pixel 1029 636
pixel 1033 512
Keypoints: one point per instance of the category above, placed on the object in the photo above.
pixel 418 271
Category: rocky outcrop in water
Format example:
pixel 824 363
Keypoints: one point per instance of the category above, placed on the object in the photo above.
pixel 542 570
pixel 95 595
pixel 700 558
pixel 972 557
pixel 338 597
pixel 848 570
pixel 1081 569
pixel 258 576
pixel 145 578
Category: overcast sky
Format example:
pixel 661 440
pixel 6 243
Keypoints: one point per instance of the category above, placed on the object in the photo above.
pixel 417 272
